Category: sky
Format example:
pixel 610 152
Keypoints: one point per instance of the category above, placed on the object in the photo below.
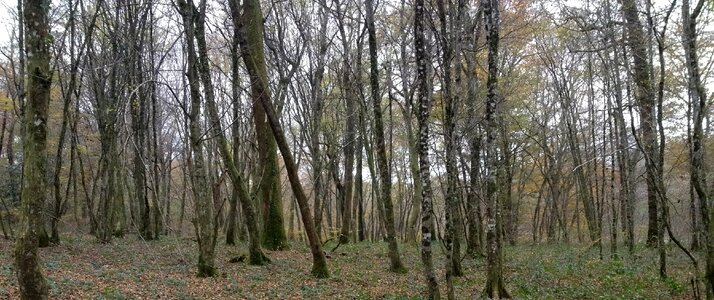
pixel 7 10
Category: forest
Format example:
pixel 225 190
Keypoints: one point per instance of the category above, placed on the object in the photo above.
pixel 357 149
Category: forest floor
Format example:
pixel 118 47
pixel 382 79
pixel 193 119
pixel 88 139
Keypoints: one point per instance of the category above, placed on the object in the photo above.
pixel 129 268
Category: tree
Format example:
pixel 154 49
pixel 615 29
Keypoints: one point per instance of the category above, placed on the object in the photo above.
pixel 349 95
pixel 636 40
pixel 34 145
pixel 384 176
pixel 107 91
pixel 698 101
pixel 193 17
pixel 451 54
pixel 251 44
pixel 269 190
pixel 494 168
pixel 317 99
pixel 474 241
pixel 424 100
pixel 625 162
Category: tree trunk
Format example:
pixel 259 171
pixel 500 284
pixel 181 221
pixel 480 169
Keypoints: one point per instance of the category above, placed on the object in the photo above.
pixel 269 189
pixel 383 166
pixel 28 267
pixel 451 48
pixel 495 285
pixel 424 97
pixel 204 222
pixel 347 86
pixel 235 128
pixel 625 162
pixel 316 120
pixel 697 96
pixel 645 102
pixel 254 58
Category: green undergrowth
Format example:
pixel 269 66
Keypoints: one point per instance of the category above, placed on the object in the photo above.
pixel 130 268
pixel 565 271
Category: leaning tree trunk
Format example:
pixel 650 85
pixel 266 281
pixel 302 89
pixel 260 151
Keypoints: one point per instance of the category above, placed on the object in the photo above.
pixel 269 189
pixel 256 255
pixel 34 143
pixel 251 43
pixel 494 276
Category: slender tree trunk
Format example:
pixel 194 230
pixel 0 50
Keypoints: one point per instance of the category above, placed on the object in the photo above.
pixel 348 92
pixel 424 99
pixel 316 120
pixel 697 96
pixel 408 114
pixel 625 162
pixel 385 178
pixel 359 193
pixel 204 222
pixel 28 267
pixel 235 128
pixel 67 94
pixel 645 101
pixel 5 230
pixel 494 278
pixel 474 240
pixel 451 48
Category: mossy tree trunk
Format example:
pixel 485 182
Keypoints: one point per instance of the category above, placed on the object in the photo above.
pixel 421 49
pixel 251 44
pixel 269 187
pixel 450 41
pixel 383 165
pixel 34 141
pixel 698 100
pixel 645 100
pixel 495 286
pixel 204 222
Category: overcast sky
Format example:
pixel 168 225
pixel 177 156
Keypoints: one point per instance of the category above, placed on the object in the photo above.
pixel 7 11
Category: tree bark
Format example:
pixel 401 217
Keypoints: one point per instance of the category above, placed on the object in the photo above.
pixel 384 176
pixel 204 222
pixel 424 99
pixel 697 97
pixel 645 101
pixel 495 285
pixel 451 48
pixel 28 267
pixel 254 59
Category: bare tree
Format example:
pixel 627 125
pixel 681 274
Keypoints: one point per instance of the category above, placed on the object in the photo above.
pixel 34 141
pixel 424 100
pixel 495 285
pixel 251 44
